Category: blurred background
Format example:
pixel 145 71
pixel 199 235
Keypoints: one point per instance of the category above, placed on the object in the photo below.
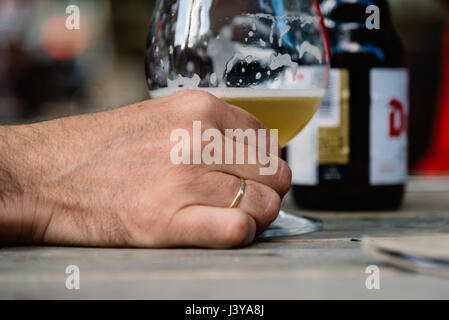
pixel 47 71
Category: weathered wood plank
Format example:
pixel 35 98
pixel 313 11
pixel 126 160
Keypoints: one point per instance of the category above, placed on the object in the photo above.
pixel 327 264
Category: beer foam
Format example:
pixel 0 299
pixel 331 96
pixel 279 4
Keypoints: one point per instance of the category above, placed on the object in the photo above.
pixel 230 93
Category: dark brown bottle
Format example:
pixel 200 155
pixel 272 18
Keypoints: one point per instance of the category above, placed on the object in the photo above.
pixel 361 128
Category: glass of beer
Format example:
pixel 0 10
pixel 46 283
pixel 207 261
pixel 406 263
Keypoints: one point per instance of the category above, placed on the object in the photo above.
pixel 269 57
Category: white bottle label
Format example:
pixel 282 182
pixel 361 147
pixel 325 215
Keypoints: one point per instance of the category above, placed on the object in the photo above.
pixel 303 155
pixel 303 150
pixel 388 126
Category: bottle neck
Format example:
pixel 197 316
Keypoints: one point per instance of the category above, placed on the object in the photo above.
pixel 355 28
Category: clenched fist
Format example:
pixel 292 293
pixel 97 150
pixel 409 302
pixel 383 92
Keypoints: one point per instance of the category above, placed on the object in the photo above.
pixel 106 179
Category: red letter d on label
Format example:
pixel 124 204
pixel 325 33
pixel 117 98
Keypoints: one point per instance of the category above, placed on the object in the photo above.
pixel 397 127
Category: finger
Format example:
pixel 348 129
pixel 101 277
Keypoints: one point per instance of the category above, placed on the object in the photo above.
pixel 244 161
pixel 202 226
pixel 219 190
pixel 276 174
pixel 262 203
pixel 238 118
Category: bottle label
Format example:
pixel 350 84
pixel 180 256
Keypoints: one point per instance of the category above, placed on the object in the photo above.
pixel 325 140
pixel 333 121
pixel 302 155
pixel 388 126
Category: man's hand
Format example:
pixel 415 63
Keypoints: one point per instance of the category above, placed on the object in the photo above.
pixel 106 179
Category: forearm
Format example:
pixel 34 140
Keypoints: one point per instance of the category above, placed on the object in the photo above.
pixel 36 162
pixel 8 182
pixel 14 219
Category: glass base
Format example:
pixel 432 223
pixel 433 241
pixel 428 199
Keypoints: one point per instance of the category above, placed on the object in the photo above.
pixel 289 225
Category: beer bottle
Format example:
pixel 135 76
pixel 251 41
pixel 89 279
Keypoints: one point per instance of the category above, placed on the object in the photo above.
pixel 353 156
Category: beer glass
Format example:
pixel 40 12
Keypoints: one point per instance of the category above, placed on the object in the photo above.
pixel 269 57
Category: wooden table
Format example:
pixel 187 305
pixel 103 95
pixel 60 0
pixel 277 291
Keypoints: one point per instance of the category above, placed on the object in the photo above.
pixel 325 265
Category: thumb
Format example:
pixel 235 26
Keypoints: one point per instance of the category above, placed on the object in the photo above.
pixel 211 227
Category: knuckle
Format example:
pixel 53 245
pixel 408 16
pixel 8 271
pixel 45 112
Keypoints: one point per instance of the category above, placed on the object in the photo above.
pixel 260 125
pixel 284 177
pixel 249 121
pixel 193 94
pixel 268 201
pixel 203 102
pixel 255 123
pixel 272 206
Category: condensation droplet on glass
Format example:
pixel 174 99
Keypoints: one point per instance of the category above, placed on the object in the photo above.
pixel 213 79
pixel 170 49
pixel 249 59
pixel 246 39
pixel 250 34
pixel 262 43
pixel 240 81
pixel 268 72
pixel 190 67
pixel 254 27
pixel 258 75
pixel 243 70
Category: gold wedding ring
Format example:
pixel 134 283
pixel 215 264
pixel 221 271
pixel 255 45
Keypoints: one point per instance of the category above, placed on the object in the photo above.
pixel 239 196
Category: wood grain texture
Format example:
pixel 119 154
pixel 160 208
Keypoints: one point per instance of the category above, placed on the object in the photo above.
pixel 324 265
